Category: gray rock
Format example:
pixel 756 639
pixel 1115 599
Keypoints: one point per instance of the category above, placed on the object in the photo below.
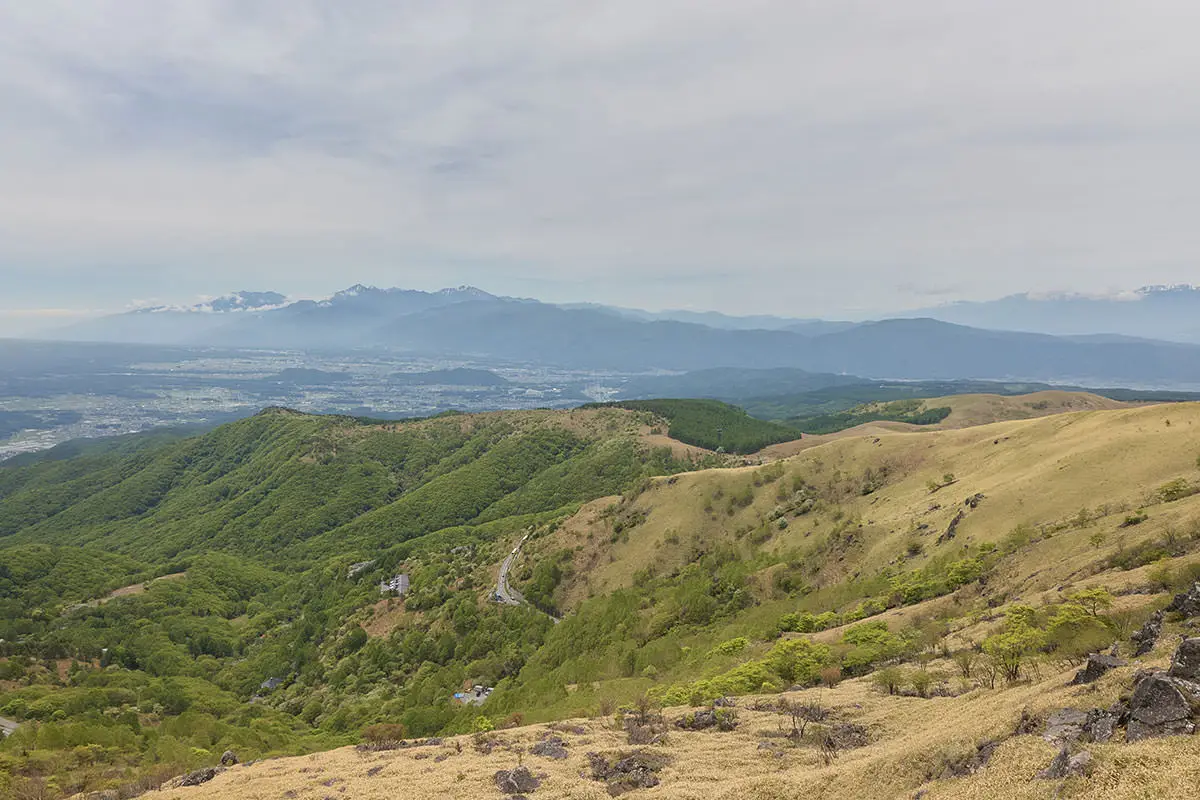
pixel 550 747
pixel 1097 665
pixel 200 776
pixel 1065 726
pixel 1147 636
pixel 1162 705
pixel 1058 766
pixel 1065 765
pixel 516 781
pixel 1158 699
pixel 229 758
pixel 1187 603
pixel 1100 725
pixel 631 771
pixel 1186 662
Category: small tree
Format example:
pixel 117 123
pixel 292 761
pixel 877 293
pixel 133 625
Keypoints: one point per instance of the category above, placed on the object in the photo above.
pixel 921 681
pixel 889 679
pixel 801 714
pixel 1094 600
pixel 1011 649
pixel 965 661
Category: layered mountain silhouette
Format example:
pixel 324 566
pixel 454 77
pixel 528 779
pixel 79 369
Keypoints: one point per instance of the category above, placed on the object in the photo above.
pixel 467 322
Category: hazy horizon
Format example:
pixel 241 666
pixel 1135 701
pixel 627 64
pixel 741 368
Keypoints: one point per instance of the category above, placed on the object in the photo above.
pixel 753 158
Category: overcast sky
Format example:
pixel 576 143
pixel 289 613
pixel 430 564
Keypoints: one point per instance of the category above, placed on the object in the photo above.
pixel 789 157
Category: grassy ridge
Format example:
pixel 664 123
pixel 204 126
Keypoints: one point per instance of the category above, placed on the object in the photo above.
pixel 712 424
pixel 910 411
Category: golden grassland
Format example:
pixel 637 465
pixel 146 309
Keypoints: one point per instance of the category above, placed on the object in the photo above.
pixel 966 411
pixel 912 741
pixel 1039 472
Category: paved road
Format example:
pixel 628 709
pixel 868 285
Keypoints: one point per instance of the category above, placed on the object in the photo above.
pixel 504 592
pixel 7 726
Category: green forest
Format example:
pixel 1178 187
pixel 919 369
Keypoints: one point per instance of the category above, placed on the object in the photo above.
pixel 236 621
pixel 713 424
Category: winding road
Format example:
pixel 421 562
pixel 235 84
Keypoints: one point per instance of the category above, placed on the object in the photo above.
pixel 504 591
pixel 7 726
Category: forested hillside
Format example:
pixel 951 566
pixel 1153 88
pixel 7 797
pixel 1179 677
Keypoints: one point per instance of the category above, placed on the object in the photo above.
pixel 149 587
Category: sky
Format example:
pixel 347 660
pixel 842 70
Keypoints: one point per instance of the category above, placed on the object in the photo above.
pixel 760 156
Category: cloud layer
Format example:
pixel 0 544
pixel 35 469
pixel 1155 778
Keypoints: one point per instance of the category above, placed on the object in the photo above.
pixel 770 156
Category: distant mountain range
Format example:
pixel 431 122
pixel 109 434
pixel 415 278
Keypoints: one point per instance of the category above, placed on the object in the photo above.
pixel 1170 313
pixel 469 323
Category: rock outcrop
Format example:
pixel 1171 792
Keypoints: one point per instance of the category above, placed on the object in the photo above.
pixel 516 781
pixel 200 776
pixel 1187 603
pixel 1097 665
pixel 1146 637
pixel 1066 765
pixel 626 772
pixel 1162 706
pixel 550 747
pixel 1186 662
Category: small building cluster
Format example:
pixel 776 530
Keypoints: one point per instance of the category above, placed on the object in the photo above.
pixel 398 584
pixel 475 696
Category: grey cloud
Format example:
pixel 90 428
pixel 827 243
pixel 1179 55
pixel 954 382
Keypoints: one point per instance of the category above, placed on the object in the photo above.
pixel 767 156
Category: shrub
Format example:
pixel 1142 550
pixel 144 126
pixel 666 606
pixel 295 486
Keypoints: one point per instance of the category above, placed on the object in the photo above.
pixel 384 732
pixel 798 660
pixel 921 681
pixel 731 647
pixel 1176 490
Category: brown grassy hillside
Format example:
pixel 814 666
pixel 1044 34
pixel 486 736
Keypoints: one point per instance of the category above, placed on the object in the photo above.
pixel 913 742
pixel 1039 473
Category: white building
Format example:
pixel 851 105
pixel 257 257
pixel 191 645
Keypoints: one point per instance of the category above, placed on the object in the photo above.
pixel 398 584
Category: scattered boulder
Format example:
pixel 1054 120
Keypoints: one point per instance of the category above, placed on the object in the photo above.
pixel 200 776
pixel 1185 664
pixel 1147 636
pixel 1100 724
pixel 1065 726
pixel 229 758
pixel 952 528
pixel 1162 706
pixel 1065 765
pixel 970 763
pixel 516 781
pixel 723 719
pixel 1187 603
pixel 550 747
pixel 1097 665
pixel 626 772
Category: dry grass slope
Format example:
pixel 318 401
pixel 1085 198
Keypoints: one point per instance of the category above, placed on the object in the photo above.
pixel 912 741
